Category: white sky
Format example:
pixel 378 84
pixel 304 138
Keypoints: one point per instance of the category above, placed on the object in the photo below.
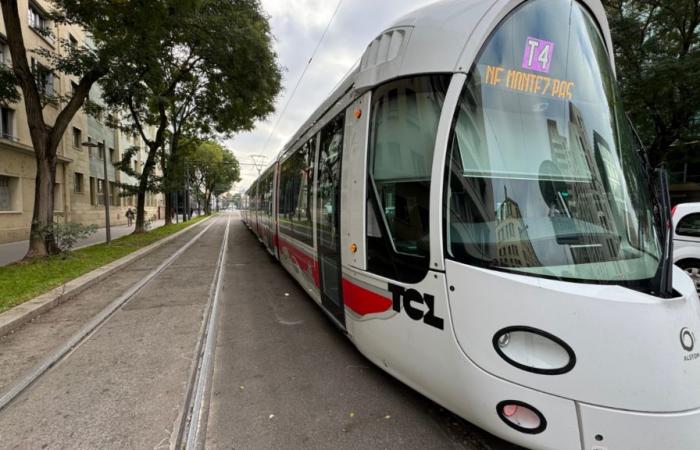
pixel 297 25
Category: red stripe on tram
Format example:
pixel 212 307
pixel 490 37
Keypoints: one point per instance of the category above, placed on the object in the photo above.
pixel 363 301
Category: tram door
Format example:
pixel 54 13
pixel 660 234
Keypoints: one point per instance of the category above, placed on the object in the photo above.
pixel 328 219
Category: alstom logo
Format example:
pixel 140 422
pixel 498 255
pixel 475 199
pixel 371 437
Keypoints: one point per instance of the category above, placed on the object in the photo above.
pixel 687 340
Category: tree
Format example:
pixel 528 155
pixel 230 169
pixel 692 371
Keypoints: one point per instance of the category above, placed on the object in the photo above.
pixel 214 72
pixel 213 169
pixel 88 65
pixel 657 52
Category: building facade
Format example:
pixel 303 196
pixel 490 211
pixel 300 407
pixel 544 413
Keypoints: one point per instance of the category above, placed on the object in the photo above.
pixel 79 173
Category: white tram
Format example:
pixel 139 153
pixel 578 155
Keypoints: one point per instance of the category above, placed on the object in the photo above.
pixel 472 207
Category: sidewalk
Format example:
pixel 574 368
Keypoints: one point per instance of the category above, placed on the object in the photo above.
pixel 14 251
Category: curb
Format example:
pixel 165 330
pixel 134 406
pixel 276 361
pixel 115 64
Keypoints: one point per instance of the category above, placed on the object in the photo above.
pixel 27 311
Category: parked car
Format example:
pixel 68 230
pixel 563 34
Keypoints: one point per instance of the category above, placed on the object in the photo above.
pixel 686 239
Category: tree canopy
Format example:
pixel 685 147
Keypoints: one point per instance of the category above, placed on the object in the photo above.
pixel 657 52
pixel 210 168
pixel 201 68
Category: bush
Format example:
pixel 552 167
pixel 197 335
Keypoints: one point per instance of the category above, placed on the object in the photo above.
pixel 68 234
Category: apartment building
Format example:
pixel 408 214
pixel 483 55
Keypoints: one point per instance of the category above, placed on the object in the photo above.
pixel 79 174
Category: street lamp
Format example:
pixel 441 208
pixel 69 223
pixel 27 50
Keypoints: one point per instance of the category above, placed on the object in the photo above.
pixel 105 186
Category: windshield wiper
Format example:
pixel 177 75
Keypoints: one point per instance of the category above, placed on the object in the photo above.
pixel 664 275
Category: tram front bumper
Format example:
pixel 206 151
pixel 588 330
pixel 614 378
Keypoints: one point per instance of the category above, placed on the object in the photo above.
pixel 611 429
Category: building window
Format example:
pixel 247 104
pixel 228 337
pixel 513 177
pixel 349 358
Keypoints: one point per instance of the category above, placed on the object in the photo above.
pixel 101 151
pixel 93 194
pixel 5 194
pixel 78 183
pixel 6 123
pixel 58 197
pixel 77 137
pixel 39 21
pixel 4 52
pixel 112 155
pixel 44 78
pixel 114 199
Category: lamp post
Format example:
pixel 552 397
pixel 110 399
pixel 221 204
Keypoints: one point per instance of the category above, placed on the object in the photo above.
pixel 105 185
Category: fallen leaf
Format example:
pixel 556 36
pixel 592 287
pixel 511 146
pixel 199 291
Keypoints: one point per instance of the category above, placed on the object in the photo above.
pixel 272 416
pixel 286 294
pixel 242 387
pixel 352 414
pixel 387 417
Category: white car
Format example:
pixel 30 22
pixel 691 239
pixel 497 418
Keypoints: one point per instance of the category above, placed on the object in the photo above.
pixel 686 239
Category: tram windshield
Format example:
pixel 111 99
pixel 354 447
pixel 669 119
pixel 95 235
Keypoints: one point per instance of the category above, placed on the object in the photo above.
pixel 545 177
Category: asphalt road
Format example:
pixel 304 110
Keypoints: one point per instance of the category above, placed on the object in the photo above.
pixel 283 376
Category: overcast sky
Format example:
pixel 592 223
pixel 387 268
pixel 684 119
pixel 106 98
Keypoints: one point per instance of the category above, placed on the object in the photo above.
pixel 297 25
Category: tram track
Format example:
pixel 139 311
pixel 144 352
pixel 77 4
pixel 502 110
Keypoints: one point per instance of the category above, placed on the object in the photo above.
pixel 192 419
pixel 92 326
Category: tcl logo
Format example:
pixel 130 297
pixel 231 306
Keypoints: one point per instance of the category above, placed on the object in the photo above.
pixel 410 297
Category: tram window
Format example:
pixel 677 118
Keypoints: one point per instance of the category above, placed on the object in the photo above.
pixel 404 121
pixel 328 195
pixel 544 174
pixel 296 193
pixel 689 226
pixel 266 195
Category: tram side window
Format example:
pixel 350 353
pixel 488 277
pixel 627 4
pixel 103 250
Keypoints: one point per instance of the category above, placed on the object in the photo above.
pixel 403 128
pixel 251 198
pixel 266 196
pixel 296 193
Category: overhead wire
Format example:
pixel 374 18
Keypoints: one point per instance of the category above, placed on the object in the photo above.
pixel 303 73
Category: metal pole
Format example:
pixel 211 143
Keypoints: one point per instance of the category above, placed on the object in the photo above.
pixel 106 191
pixel 187 192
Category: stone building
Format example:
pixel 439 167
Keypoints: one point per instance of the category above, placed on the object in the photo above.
pixel 79 171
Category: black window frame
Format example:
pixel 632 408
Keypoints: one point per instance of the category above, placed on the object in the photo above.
pixel 383 258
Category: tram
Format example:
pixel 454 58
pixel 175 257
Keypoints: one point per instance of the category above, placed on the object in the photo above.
pixel 472 207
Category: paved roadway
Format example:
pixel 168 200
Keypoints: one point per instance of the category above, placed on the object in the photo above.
pixel 283 376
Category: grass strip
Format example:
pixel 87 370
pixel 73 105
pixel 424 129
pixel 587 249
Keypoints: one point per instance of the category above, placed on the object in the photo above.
pixel 25 280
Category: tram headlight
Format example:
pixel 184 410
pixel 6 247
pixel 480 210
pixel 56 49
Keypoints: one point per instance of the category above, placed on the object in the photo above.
pixel 534 350
pixel 521 416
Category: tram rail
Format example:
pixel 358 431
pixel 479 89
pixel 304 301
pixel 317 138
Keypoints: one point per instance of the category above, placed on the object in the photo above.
pixel 201 364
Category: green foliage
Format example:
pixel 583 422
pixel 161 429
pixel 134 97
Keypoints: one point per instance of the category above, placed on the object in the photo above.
pixel 198 67
pixel 68 234
pixel 8 86
pixel 25 280
pixel 657 51
pixel 212 168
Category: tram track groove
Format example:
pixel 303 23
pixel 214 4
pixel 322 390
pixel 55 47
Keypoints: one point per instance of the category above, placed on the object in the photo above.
pixel 192 419
pixel 91 327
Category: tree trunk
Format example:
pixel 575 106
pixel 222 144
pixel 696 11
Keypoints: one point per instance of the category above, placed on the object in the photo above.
pixel 42 241
pixel 168 207
pixel 140 211
pixel 143 187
